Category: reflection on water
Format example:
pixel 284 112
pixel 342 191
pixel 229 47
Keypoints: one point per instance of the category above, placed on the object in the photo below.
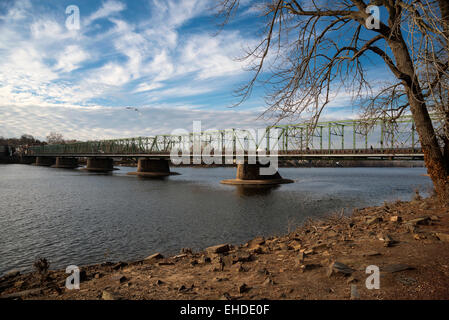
pixel 254 190
pixel 77 217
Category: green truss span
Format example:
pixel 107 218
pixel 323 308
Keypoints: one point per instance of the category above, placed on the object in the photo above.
pixel 324 137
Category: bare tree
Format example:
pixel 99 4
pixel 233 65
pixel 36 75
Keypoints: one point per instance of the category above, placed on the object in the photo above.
pixel 311 49
pixel 55 138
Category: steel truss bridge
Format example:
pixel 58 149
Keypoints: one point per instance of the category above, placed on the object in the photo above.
pixel 333 139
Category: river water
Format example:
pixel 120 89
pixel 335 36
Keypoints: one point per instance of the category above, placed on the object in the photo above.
pixel 74 217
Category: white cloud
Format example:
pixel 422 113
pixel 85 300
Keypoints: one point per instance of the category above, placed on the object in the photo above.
pixel 108 8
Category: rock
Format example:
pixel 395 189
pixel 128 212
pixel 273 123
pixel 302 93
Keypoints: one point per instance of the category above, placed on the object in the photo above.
pixel 165 263
pixel 244 288
pixel 205 259
pixel 182 288
pixel 21 294
pixel 395 219
pixel 258 250
pixel 435 218
pixel 373 220
pixel 386 238
pixel 268 282
pixel 194 262
pixel 419 221
pixel 159 282
pixel 98 275
pixel 442 236
pixel 339 268
pixel 318 247
pixel 408 281
pixel 226 296
pixel 393 268
pixel 156 256
pixel 221 248
pixel 119 278
pixel 371 254
pixel 242 257
pixel 263 271
pixel 119 265
pixel 12 274
pixel 106 295
pixel 180 256
pixel 309 266
pixel 255 242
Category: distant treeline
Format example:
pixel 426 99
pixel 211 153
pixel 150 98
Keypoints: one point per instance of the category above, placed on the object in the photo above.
pixel 25 139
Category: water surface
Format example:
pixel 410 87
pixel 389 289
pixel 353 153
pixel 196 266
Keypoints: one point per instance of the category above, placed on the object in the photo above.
pixel 74 217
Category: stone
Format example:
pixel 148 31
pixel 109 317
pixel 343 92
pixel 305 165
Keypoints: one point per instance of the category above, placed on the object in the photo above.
pixel 221 248
pixel 268 282
pixel 159 282
pixel 12 274
pixel 98 275
pixel 373 220
pixel 393 268
pixel 256 242
pixel 242 257
pixel 309 266
pixel 442 236
pixel 435 218
pixel 243 288
pixel 339 268
pixel 258 250
pixel 180 256
pixel 165 263
pixel 21 294
pixel 419 221
pixel 386 238
pixel 395 219
pixel 156 256
pixel 119 278
pixel 119 265
pixel 106 295
pixel 205 259
pixel 371 254
pixel 226 296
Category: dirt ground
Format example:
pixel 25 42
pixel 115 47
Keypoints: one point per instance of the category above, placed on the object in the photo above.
pixel 323 259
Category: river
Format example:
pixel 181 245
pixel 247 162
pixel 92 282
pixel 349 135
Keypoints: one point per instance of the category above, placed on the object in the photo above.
pixel 73 217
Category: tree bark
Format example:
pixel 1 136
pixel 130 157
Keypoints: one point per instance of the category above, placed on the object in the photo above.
pixel 437 168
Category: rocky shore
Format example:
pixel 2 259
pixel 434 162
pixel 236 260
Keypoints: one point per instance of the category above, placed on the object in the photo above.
pixel 323 259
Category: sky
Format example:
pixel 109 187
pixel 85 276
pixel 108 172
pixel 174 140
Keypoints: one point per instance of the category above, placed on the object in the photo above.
pixel 132 68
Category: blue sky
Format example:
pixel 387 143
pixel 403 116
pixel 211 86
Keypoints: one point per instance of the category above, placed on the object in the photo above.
pixel 134 68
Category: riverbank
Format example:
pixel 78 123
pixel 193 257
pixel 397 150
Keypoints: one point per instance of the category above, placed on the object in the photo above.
pixel 323 259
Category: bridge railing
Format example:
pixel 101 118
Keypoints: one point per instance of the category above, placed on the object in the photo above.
pixel 345 136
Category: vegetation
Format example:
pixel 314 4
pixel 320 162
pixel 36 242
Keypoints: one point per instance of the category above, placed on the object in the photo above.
pixel 310 49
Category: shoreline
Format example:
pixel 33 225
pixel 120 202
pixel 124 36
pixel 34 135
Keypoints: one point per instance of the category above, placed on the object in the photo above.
pixel 322 259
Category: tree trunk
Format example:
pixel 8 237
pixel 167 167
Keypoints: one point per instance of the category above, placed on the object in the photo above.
pixel 433 155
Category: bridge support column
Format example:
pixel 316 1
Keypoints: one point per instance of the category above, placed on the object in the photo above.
pixel 99 165
pixel 153 168
pixel 44 161
pixel 66 163
pixel 249 174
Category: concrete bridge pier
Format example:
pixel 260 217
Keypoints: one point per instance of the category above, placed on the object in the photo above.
pixel 249 174
pixel 153 168
pixel 66 163
pixel 44 161
pixel 99 165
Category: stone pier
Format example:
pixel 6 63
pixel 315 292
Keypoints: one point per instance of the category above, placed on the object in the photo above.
pixel 66 163
pixel 153 168
pixel 44 161
pixel 249 174
pixel 99 165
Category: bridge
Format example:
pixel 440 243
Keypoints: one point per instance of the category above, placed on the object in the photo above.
pixel 251 150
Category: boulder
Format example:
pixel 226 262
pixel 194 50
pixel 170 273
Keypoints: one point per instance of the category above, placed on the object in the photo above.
pixel 339 268
pixel 221 248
